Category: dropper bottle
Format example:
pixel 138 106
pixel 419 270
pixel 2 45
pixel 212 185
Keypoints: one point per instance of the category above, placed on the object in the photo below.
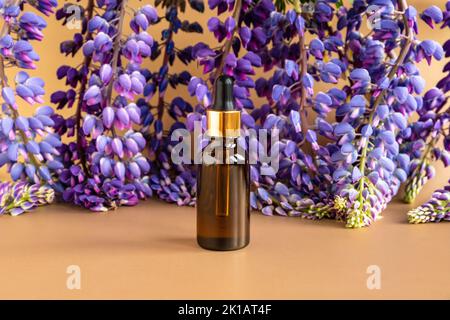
pixel 223 182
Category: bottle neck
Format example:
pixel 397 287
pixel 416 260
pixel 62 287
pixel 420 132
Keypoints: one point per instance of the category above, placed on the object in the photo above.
pixel 225 124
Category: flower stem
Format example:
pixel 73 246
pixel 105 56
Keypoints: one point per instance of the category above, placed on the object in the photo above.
pixel 426 153
pixel 401 58
pixel 116 51
pixel 415 182
pixel 86 64
pixel 304 70
pixel 160 106
pixel 116 56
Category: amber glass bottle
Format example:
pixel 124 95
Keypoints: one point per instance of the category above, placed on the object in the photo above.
pixel 223 182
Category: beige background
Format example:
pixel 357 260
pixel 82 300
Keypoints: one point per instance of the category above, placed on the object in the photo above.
pixel 149 251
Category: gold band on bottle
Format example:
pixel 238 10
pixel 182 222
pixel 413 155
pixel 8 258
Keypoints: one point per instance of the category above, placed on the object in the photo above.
pixel 223 123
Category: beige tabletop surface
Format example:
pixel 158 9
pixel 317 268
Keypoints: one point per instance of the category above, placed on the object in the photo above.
pixel 150 252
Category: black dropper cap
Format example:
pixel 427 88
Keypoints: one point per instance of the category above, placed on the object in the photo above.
pixel 223 97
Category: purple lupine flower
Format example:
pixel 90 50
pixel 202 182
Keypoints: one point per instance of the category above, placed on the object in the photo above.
pixel 429 49
pixel 432 15
pixel 20 197
pixel 32 24
pixel 45 6
pixel 374 94
pixel 29 157
pixel 108 169
pixel 423 137
pixel 437 209
pixel 372 129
